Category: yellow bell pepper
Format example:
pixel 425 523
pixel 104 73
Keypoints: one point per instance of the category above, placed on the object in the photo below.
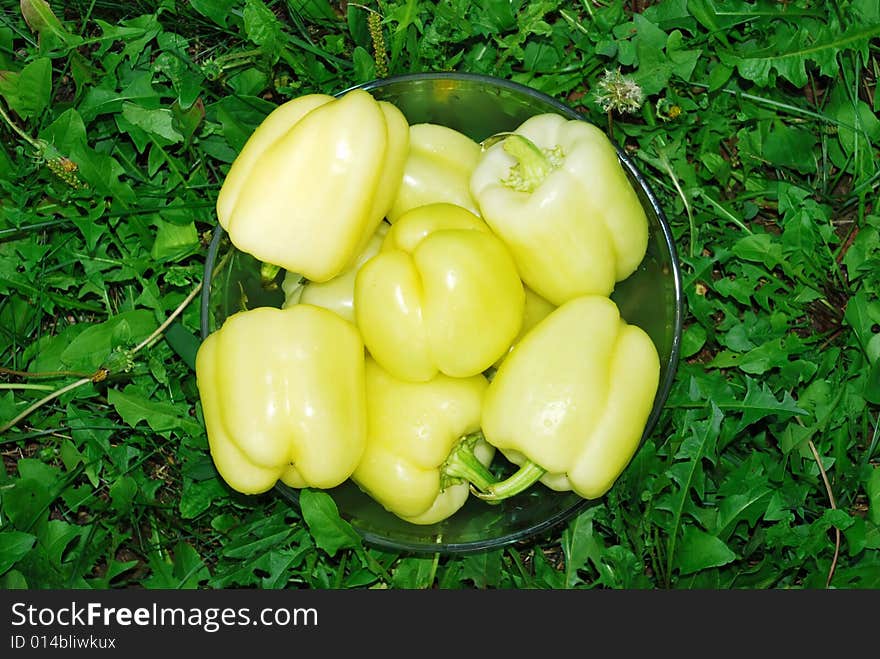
pixel 423 444
pixel 554 190
pixel 570 402
pixel 443 295
pixel 335 294
pixel 438 168
pixel 535 310
pixel 314 180
pixel 282 393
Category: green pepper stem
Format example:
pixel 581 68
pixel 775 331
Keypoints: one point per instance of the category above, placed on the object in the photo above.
pixel 268 272
pixel 532 164
pixel 463 464
pixel 527 475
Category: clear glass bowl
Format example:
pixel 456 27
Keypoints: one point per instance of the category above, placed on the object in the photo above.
pixel 651 298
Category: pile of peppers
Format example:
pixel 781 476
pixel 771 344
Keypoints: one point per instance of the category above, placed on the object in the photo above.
pixel 447 314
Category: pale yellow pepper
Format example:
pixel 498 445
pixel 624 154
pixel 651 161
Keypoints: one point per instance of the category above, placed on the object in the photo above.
pixel 535 310
pixel 443 295
pixel 570 403
pixel 438 168
pixel 314 180
pixel 335 294
pixel 283 398
pixel 556 193
pixel 423 445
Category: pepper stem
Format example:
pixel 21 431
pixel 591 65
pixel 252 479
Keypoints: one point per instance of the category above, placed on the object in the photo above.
pixel 464 465
pixel 532 164
pixel 268 272
pixel 523 478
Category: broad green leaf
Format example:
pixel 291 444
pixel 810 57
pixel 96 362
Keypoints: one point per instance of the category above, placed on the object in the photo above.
pixel 13 546
pixel 793 48
pixel 189 569
pixel 251 546
pixel 858 133
pixel 7 405
pixel 364 64
pixel 91 440
pixel 275 565
pixel 58 538
pixel 197 496
pixel 122 493
pixel 104 174
pixel 239 117
pixel 744 506
pixel 791 147
pixel 693 339
pixel 183 342
pixel 330 531
pixel 174 241
pixel 546 574
pixel 158 123
pixel 862 535
pixel 759 402
pixel 863 315
pixel 682 60
pixel 67 132
pixel 654 67
pixel 414 573
pixel 91 226
pixel 28 91
pixel 78 497
pixel 262 26
pixel 26 501
pixel 704 11
pixel 718 76
pixel 718 16
pixel 872 384
pixel 700 550
pixel 699 442
pixel 249 82
pixel 91 347
pixel 484 569
pixel 190 118
pixel 135 33
pixel 106 98
pixel 13 580
pixel 42 20
pixel 760 247
pixel 580 543
pixel 175 63
pixel 218 11
pixel 540 58
pixel 114 569
pixel 756 361
pixel 134 407
pixel 862 259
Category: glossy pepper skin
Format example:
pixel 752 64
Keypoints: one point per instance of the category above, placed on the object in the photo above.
pixel 421 451
pixel 535 310
pixel 438 168
pixel 556 193
pixel 443 295
pixel 335 294
pixel 313 182
pixel 570 402
pixel 282 393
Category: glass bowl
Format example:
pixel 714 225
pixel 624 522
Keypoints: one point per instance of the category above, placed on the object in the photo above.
pixel 651 298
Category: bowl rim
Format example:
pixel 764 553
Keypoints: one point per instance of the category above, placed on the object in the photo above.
pixel 532 531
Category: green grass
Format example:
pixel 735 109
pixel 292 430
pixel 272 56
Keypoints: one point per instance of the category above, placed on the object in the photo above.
pixel 758 130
